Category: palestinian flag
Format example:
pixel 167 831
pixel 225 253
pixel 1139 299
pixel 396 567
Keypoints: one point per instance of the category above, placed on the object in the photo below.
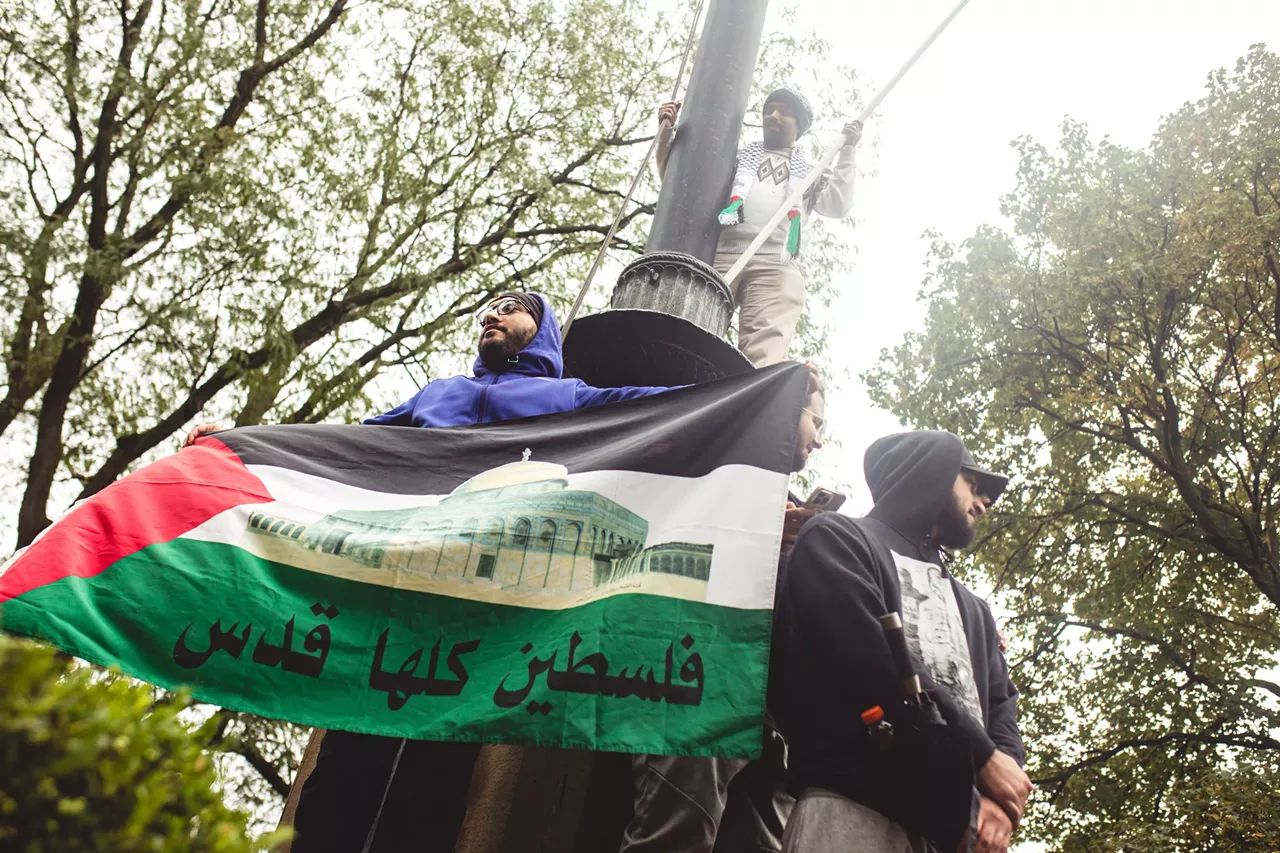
pixel 600 579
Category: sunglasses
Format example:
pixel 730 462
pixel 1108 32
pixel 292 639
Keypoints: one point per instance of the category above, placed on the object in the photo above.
pixel 502 308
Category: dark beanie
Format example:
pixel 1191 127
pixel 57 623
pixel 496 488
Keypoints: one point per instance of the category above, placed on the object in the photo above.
pixel 530 301
pixel 798 103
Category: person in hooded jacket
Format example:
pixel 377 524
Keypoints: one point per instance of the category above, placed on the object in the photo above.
pixel 832 661
pixel 353 796
pixel 518 373
pixel 368 792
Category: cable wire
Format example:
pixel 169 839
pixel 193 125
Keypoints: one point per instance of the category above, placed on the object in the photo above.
pixel 635 181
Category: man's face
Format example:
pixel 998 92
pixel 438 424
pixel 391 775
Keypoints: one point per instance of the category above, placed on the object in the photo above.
pixel 781 130
pixel 502 335
pixel 809 437
pixel 958 522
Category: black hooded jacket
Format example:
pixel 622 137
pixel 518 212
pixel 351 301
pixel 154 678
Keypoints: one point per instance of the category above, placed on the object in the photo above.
pixel 831 660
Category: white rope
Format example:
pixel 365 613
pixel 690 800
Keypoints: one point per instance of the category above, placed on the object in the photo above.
pixel 644 164
pixel 829 156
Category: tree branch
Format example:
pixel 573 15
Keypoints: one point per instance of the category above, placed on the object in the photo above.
pixel 219 136
pixel 238 746
pixel 1104 755
pixel 100 270
pixel 265 768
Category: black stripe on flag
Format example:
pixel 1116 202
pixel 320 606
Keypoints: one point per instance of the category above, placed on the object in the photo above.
pixel 746 420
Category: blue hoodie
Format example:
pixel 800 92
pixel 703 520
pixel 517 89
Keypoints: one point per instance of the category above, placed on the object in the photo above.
pixel 530 384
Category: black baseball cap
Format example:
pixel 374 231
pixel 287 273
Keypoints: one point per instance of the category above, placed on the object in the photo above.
pixel 990 484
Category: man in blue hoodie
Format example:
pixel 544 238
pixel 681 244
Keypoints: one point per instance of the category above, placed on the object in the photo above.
pixel 368 793
pixel 517 374
pixel 354 799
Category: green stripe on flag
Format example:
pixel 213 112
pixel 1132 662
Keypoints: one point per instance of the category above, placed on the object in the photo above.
pixel 133 614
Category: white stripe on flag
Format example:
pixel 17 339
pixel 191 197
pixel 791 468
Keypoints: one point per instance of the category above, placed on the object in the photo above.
pixel 737 509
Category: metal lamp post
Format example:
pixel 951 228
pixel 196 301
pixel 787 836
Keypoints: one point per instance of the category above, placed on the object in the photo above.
pixel 670 309
pixel 666 325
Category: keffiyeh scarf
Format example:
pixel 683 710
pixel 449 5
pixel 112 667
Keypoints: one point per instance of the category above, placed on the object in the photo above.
pixel 749 159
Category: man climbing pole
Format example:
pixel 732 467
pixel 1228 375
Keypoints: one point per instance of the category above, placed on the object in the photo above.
pixel 770 291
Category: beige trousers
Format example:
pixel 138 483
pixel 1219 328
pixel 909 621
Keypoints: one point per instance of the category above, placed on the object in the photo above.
pixel 770 299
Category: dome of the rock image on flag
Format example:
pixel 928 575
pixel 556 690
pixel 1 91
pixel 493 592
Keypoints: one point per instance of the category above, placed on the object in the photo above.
pixel 518 525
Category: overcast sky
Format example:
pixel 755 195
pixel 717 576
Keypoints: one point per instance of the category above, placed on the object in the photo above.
pixel 1004 68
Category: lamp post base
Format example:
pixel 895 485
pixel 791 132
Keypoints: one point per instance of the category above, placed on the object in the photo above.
pixel 665 326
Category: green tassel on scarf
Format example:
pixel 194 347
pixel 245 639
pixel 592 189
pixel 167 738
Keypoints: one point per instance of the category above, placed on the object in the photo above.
pixel 732 215
pixel 793 234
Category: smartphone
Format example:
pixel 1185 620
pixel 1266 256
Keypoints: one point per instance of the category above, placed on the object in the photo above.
pixel 824 500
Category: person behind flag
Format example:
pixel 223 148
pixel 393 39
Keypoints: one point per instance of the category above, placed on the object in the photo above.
pixel 726 805
pixel 770 290
pixel 833 663
pixel 370 788
pixel 517 373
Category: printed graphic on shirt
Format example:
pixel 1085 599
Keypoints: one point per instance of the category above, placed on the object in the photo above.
pixel 935 633
pixel 773 168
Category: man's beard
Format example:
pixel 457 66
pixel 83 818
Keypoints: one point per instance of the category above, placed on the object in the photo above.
pixel 497 352
pixel 493 351
pixel 953 526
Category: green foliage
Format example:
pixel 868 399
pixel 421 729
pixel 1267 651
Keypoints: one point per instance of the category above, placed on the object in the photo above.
pixel 1222 811
pixel 89 762
pixel 243 212
pixel 259 209
pixel 1119 352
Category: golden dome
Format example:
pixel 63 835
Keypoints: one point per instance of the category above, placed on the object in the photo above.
pixel 514 474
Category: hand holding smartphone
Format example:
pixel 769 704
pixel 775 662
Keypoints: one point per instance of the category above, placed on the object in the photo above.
pixel 824 500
